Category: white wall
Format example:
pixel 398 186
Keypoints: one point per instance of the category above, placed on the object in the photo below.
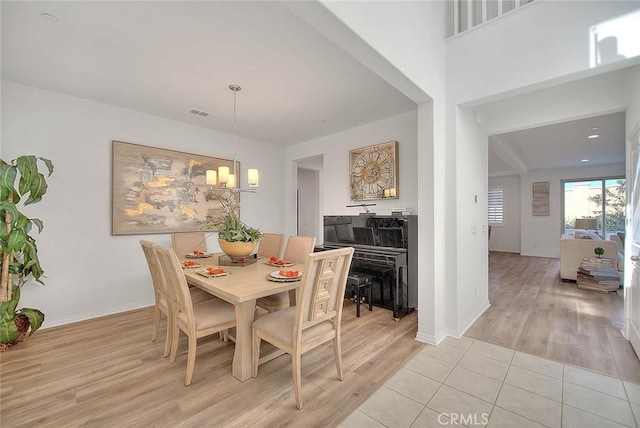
pixel 633 128
pixel 592 96
pixel 88 271
pixel 415 45
pixel 472 279
pixel 540 235
pixel 543 41
pixel 334 150
pixel 506 237
pixel 309 203
pixel 633 228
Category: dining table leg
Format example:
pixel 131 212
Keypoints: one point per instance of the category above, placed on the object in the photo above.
pixel 241 366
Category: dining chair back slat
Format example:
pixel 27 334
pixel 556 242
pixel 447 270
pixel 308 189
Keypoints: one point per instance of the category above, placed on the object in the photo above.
pixel 270 245
pixel 298 248
pixel 161 300
pixel 322 293
pixel 177 288
pixel 296 251
pixel 184 243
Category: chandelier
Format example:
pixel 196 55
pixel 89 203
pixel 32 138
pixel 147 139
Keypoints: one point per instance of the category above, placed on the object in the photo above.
pixel 223 175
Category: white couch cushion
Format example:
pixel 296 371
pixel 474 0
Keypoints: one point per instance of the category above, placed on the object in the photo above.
pixel 573 251
pixel 615 238
pixel 587 234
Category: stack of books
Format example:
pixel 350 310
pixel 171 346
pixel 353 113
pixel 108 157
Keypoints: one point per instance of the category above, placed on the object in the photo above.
pixel 598 275
pixel 592 262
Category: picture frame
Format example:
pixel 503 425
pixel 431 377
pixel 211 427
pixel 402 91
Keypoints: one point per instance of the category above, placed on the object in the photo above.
pixel 540 198
pixel 158 190
pixel 373 172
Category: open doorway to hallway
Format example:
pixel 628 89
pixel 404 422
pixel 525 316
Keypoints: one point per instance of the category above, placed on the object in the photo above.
pixel 309 199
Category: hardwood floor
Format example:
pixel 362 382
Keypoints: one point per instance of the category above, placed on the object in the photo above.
pixel 534 311
pixel 107 372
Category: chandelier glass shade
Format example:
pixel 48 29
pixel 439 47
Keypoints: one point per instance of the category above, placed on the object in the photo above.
pixel 224 177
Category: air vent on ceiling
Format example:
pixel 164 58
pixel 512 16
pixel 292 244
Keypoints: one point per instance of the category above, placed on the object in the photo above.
pixel 199 112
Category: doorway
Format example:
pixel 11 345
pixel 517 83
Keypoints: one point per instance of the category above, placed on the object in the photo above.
pixel 308 204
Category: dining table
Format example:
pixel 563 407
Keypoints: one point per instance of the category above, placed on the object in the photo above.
pixel 241 286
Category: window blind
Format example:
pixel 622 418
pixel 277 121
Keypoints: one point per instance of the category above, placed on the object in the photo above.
pixel 496 205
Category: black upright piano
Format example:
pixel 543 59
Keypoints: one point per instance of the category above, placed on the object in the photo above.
pixel 386 248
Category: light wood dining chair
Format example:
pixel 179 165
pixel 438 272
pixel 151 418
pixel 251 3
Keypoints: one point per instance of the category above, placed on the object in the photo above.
pixel 161 305
pixel 296 251
pixel 315 319
pixel 270 245
pixel 184 243
pixel 195 320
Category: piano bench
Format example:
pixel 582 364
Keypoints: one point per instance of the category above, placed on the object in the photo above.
pixel 358 282
pixel 384 276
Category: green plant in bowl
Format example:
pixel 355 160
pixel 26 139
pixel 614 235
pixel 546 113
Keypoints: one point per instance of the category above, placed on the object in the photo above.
pixel 236 239
pixel 230 228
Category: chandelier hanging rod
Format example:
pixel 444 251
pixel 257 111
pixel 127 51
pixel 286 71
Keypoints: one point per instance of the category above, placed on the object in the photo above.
pixel 230 181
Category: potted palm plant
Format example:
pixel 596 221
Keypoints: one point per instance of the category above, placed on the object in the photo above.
pixel 235 238
pixel 18 250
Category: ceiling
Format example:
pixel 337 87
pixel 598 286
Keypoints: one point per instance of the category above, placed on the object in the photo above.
pixel 167 58
pixel 562 145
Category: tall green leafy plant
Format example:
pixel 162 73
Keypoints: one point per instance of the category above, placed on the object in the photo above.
pixel 18 250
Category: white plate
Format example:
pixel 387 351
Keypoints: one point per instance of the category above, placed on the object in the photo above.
pixel 278 276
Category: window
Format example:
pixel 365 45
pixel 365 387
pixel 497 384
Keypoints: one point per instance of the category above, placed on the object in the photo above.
pixel 602 199
pixel 496 205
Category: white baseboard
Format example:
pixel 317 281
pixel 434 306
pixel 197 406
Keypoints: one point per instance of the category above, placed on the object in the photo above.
pixel 456 333
pixel 482 307
pixel 84 317
pixel 434 340
pixel 426 338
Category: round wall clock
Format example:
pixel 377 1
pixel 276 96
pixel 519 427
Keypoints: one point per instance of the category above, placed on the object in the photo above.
pixel 373 171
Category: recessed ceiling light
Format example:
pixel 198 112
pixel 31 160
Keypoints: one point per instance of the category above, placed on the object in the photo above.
pixel 592 136
pixel 584 160
pixel 49 17
pixel 595 128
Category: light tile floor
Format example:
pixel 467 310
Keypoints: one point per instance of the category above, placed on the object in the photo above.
pixel 466 382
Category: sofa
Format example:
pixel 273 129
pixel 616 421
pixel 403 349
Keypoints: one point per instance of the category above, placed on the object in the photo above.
pixel 573 249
